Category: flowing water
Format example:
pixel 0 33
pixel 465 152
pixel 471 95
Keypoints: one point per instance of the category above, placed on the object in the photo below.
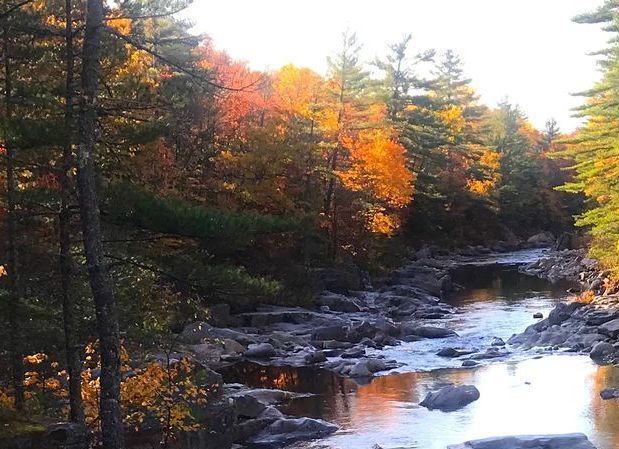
pixel 524 393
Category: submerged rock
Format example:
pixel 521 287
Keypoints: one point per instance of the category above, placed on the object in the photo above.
pixel 609 393
pixel 451 398
pixel 568 441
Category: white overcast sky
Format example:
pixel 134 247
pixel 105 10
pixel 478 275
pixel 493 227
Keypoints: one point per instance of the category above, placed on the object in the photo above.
pixel 527 50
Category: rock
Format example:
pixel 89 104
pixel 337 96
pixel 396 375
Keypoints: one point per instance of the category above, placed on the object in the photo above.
pixel 451 398
pixel 568 441
pixel 599 317
pixel 269 397
pixel 542 239
pixel 375 365
pixel 337 279
pixel 562 312
pixel 602 352
pixel 197 332
pixel 248 406
pixel 453 352
pixel 260 351
pixel 610 328
pixel 353 353
pixel 360 369
pixel 65 436
pixel 609 393
pixel 596 284
pixel 386 326
pixel 491 353
pixel 287 430
pixel 496 341
pixel 426 331
pixel 538 315
pixel 233 347
pixel 336 332
pixel 219 315
pixel 339 303
pixel 271 413
pixel 565 241
pixel 315 357
pixel 469 363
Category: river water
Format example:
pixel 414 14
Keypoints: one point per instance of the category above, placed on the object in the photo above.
pixel 524 393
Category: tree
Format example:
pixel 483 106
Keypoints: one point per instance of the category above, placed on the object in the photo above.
pixel 100 282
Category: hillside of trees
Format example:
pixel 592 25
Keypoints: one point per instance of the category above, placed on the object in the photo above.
pixel 147 175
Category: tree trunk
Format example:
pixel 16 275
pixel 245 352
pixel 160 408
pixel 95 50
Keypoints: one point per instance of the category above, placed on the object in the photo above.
pixel 100 282
pixel 17 364
pixel 74 366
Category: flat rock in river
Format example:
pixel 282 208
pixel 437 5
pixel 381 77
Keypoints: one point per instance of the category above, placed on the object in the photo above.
pixel 287 430
pixel 568 441
pixel 427 331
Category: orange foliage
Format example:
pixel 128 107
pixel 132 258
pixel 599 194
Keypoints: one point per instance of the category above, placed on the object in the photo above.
pixel 245 101
pixel 378 165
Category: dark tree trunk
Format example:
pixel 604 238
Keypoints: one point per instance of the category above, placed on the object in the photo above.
pixel 74 366
pixel 100 282
pixel 17 364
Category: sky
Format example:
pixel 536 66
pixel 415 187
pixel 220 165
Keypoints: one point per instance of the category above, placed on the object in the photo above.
pixel 529 51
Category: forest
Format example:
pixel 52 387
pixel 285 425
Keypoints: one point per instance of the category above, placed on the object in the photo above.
pixel 149 179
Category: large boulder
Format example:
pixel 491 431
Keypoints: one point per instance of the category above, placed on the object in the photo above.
pixel 568 441
pixel 451 398
pixel 610 328
pixel 287 430
pixel 542 239
pixel 602 352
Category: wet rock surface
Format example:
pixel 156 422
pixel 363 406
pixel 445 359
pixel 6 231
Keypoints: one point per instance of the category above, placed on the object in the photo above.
pixel 570 441
pixel 451 398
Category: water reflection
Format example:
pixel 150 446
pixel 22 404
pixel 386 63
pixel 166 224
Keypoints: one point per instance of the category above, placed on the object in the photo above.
pixel 555 394
pixel 502 283
pixel 519 394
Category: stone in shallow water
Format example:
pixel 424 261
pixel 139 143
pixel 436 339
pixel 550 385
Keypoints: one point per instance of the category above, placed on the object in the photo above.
pixel 568 441
pixel 451 398
pixel 609 393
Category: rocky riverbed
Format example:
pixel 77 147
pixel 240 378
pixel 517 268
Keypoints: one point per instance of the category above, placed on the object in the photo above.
pixel 367 333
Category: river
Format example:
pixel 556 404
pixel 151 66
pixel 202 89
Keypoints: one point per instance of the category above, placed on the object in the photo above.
pixel 533 392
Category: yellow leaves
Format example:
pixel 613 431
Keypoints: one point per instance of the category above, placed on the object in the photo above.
pixel 3 271
pixel 35 359
pixel 480 187
pixel 452 118
pixel 297 91
pixel 490 159
pixel 380 222
pixel 121 24
pixel 378 165
pixel 489 163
